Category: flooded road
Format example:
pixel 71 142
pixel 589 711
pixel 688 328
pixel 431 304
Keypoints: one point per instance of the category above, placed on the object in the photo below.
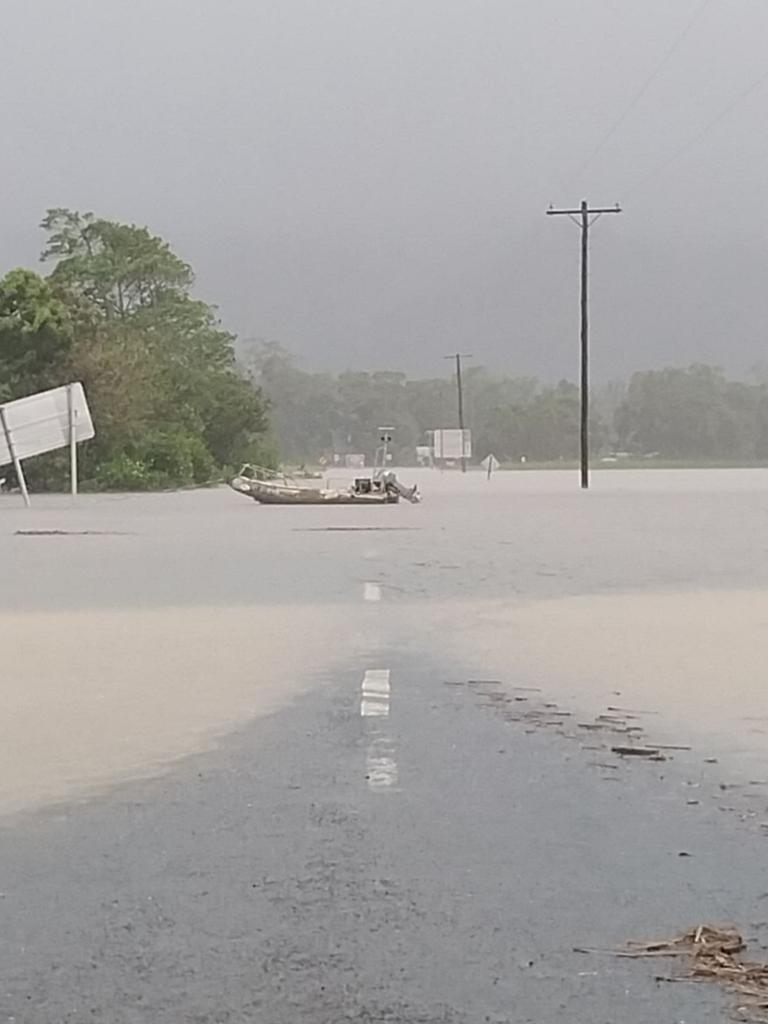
pixel 366 807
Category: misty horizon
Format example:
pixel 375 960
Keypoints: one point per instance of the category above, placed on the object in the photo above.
pixel 367 183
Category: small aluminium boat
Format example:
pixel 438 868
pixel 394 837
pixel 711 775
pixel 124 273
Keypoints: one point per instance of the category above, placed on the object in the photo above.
pixel 269 488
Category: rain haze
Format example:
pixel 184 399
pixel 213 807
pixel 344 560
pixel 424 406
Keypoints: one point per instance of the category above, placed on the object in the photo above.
pixel 366 182
pixel 448 705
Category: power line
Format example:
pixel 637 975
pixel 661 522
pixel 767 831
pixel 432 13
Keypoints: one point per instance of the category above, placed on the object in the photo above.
pixel 619 121
pixel 701 134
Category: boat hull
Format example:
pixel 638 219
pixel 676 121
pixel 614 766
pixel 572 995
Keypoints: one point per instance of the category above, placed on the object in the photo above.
pixel 268 493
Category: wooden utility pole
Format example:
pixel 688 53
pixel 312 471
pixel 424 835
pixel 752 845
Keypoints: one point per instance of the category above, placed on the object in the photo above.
pixel 460 392
pixel 584 217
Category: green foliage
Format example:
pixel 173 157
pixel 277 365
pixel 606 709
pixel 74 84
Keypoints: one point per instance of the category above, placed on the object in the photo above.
pixel 694 413
pixel 304 408
pixel 539 423
pixel 158 460
pixel 316 415
pixel 173 408
pixel 121 268
pixel 170 405
pixel 44 473
pixel 121 473
pixel 36 335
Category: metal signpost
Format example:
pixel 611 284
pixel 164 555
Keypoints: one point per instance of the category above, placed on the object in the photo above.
pixel 42 423
pixel 11 452
pixel 385 438
pixel 490 463
pixel 72 416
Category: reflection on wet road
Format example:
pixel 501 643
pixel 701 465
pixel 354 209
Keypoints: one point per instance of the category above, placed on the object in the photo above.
pixel 435 865
pixel 381 762
pixel 381 750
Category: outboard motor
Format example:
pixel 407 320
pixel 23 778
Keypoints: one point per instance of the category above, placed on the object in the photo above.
pixel 391 484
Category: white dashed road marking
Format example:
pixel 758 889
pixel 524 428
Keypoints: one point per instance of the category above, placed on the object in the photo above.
pixel 375 693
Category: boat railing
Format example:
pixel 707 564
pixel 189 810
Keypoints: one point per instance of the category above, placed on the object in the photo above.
pixel 252 472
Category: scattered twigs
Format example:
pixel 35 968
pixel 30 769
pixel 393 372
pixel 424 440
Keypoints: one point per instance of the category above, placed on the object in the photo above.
pixel 713 954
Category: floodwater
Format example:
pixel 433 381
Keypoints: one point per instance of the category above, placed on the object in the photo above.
pixel 100 694
pixel 138 629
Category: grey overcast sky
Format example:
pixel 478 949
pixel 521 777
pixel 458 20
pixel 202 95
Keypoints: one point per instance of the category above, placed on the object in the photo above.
pixel 365 180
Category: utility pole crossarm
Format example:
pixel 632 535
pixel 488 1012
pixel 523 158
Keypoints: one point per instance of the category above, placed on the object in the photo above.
pixel 552 212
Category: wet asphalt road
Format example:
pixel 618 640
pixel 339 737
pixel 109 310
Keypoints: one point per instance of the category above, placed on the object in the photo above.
pixel 438 864
pixel 284 879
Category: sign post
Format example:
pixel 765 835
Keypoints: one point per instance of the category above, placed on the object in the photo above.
pixel 72 414
pixel 14 457
pixel 491 464
pixel 385 437
pixel 41 423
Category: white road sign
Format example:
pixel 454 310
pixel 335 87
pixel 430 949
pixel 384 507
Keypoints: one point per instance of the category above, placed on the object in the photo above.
pixel 490 464
pixel 453 444
pixel 41 423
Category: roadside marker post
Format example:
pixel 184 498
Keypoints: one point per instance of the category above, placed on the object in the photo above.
pixel 490 463
pixel 72 414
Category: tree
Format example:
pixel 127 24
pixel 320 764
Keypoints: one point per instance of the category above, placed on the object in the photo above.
pixel 304 408
pixel 169 401
pixel 315 415
pixel 689 413
pixel 36 335
pixel 180 372
pixel 121 268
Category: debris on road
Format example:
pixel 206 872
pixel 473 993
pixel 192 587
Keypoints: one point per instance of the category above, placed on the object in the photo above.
pixel 713 954
pixel 651 752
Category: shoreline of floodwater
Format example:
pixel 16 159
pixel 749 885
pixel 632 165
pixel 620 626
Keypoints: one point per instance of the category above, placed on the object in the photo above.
pixel 692 660
pixel 97 697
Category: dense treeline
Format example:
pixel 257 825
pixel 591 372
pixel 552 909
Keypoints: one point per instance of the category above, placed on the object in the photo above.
pixel 694 413
pixel 315 415
pixel 686 414
pixel 171 406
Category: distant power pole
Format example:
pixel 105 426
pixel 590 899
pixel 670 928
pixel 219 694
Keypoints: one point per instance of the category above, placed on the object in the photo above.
pixel 581 217
pixel 458 356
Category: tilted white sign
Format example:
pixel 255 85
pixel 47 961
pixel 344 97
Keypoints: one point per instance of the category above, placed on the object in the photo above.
pixel 41 423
